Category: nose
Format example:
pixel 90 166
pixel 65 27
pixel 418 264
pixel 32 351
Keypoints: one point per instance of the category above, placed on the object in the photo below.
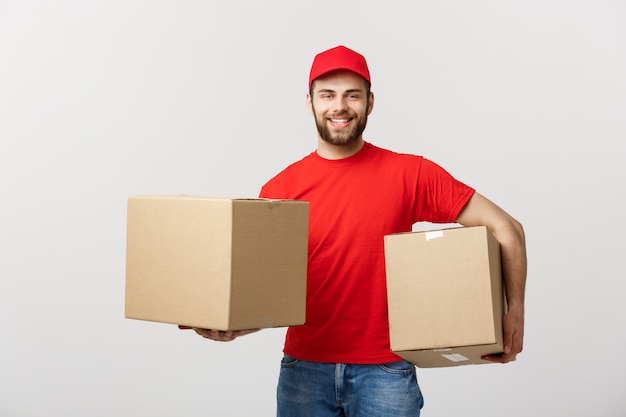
pixel 340 104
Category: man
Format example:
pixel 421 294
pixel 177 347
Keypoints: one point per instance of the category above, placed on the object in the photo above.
pixel 339 362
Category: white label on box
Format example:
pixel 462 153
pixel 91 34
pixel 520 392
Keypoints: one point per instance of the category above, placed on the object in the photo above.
pixel 433 235
pixel 455 357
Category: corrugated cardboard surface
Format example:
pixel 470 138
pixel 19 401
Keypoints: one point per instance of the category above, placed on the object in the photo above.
pixel 225 264
pixel 445 295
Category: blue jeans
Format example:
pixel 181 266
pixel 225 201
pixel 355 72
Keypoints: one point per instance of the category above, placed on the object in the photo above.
pixel 313 389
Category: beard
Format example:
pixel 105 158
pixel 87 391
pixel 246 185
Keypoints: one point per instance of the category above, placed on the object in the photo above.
pixel 345 136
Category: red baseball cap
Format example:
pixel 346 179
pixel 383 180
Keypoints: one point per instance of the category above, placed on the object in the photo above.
pixel 338 58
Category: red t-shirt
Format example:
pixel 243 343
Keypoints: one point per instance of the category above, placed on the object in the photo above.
pixel 353 203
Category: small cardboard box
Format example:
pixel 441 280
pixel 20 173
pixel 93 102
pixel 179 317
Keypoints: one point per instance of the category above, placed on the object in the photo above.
pixel 445 294
pixel 216 263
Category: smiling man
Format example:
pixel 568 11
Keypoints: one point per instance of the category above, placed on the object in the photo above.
pixel 339 363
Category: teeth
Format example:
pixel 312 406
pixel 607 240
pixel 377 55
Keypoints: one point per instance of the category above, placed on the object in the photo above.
pixel 340 120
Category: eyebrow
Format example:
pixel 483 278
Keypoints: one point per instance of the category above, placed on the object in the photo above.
pixel 352 90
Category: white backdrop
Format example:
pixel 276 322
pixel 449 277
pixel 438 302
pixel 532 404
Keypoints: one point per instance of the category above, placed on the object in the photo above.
pixel 99 100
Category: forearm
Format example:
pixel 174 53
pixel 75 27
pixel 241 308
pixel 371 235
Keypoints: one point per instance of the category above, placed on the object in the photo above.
pixel 514 263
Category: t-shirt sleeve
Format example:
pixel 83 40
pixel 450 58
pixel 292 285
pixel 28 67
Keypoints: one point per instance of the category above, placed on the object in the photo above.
pixel 274 188
pixel 440 196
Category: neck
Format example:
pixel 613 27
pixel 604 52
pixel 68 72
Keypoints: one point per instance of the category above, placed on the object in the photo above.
pixel 329 151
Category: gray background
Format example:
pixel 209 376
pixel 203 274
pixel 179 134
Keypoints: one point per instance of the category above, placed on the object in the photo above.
pixel 99 100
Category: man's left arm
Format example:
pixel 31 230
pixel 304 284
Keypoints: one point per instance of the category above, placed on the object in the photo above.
pixel 479 211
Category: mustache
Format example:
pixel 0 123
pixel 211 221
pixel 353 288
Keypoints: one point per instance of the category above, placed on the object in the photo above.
pixel 343 113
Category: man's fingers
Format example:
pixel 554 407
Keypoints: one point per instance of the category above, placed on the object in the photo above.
pixel 222 335
pixel 502 358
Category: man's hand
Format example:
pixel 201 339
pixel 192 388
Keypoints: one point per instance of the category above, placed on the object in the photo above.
pixel 513 328
pixel 219 335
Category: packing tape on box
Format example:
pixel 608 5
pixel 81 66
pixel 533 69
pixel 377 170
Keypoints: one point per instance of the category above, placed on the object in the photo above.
pixel 433 235
pixel 455 357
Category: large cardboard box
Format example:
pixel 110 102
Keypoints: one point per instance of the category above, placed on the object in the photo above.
pixel 216 263
pixel 445 294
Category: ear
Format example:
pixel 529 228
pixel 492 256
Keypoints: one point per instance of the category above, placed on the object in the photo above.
pixel 309 103
pixel 370 104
